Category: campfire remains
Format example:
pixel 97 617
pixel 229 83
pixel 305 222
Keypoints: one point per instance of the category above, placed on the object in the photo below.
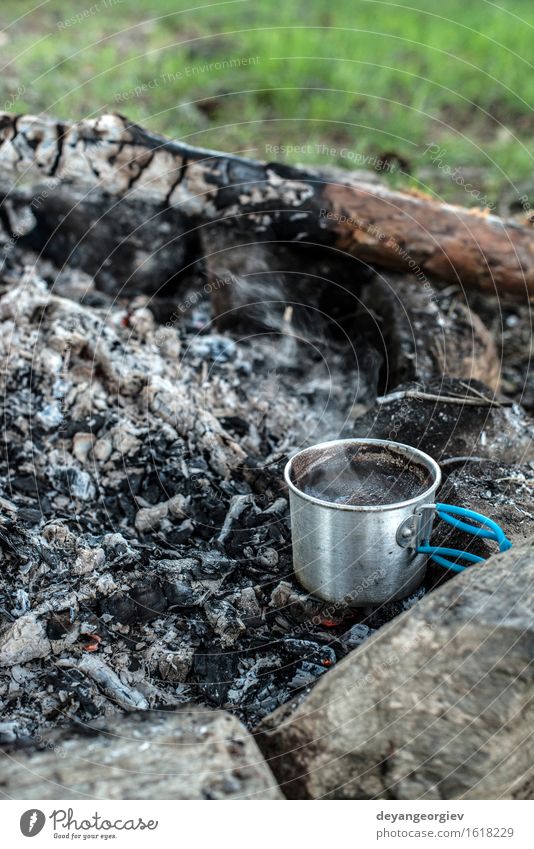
pixel 175 324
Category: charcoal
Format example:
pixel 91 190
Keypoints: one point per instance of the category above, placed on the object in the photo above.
pixel 76 483
pixel 122 608
pixel 119 552
pixel 212 348
pixel 214 671
pixel 287 597
pixel 207 513
pixel 249 608
pixel 214 565
pixel 185 567
pixel 390 609
pixel 181 534
pixel 29 516
pixel 267 557
pixel 306 674
pixel 181 594
pixel 274 512
pixel 277 533
pixel 174 666
pixel 150 602
pixel 356 635
pixel 27 484
pixel 58 625
pixel 224 620
pixel 235 424
pixel 107 681
pixel 234 487
pixel 254 675
pixel 238 506
pixel 309 651
pixel 90 424
pixel 22 603
pixel 271 696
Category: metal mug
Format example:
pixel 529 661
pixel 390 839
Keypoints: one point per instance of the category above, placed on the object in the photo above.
pixel 360 554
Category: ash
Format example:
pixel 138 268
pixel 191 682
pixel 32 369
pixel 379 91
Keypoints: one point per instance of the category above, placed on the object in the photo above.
pixel 144 521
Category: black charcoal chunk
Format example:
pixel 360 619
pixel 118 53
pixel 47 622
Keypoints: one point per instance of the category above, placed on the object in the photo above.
pixel 181 594
pixel 150 602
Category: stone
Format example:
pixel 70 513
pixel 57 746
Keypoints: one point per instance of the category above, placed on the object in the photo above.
pixel 437 705
pixel 190 754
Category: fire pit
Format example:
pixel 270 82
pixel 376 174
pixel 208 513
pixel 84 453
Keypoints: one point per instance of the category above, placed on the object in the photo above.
pixel 147 532
pixel 145 520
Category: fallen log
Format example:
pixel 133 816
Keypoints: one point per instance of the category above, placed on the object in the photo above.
pixel 401 231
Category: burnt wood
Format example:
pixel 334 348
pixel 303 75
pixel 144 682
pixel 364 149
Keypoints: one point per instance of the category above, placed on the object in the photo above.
pixel 401 231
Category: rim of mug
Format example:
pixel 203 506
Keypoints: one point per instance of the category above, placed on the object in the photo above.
pixel 409 450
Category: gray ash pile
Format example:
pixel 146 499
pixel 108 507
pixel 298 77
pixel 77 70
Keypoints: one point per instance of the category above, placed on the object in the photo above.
pixel 146 554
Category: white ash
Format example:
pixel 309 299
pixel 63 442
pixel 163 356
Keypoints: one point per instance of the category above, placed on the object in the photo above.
pixel 25 640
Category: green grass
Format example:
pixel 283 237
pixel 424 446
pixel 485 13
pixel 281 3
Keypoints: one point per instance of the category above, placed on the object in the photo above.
pixel 361 77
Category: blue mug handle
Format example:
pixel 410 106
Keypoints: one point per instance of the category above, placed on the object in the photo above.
pixel 453 516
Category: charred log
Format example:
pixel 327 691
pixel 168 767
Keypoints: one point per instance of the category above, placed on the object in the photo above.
pixel 400 231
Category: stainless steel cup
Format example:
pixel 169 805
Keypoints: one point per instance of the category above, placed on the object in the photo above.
pixel 354 553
